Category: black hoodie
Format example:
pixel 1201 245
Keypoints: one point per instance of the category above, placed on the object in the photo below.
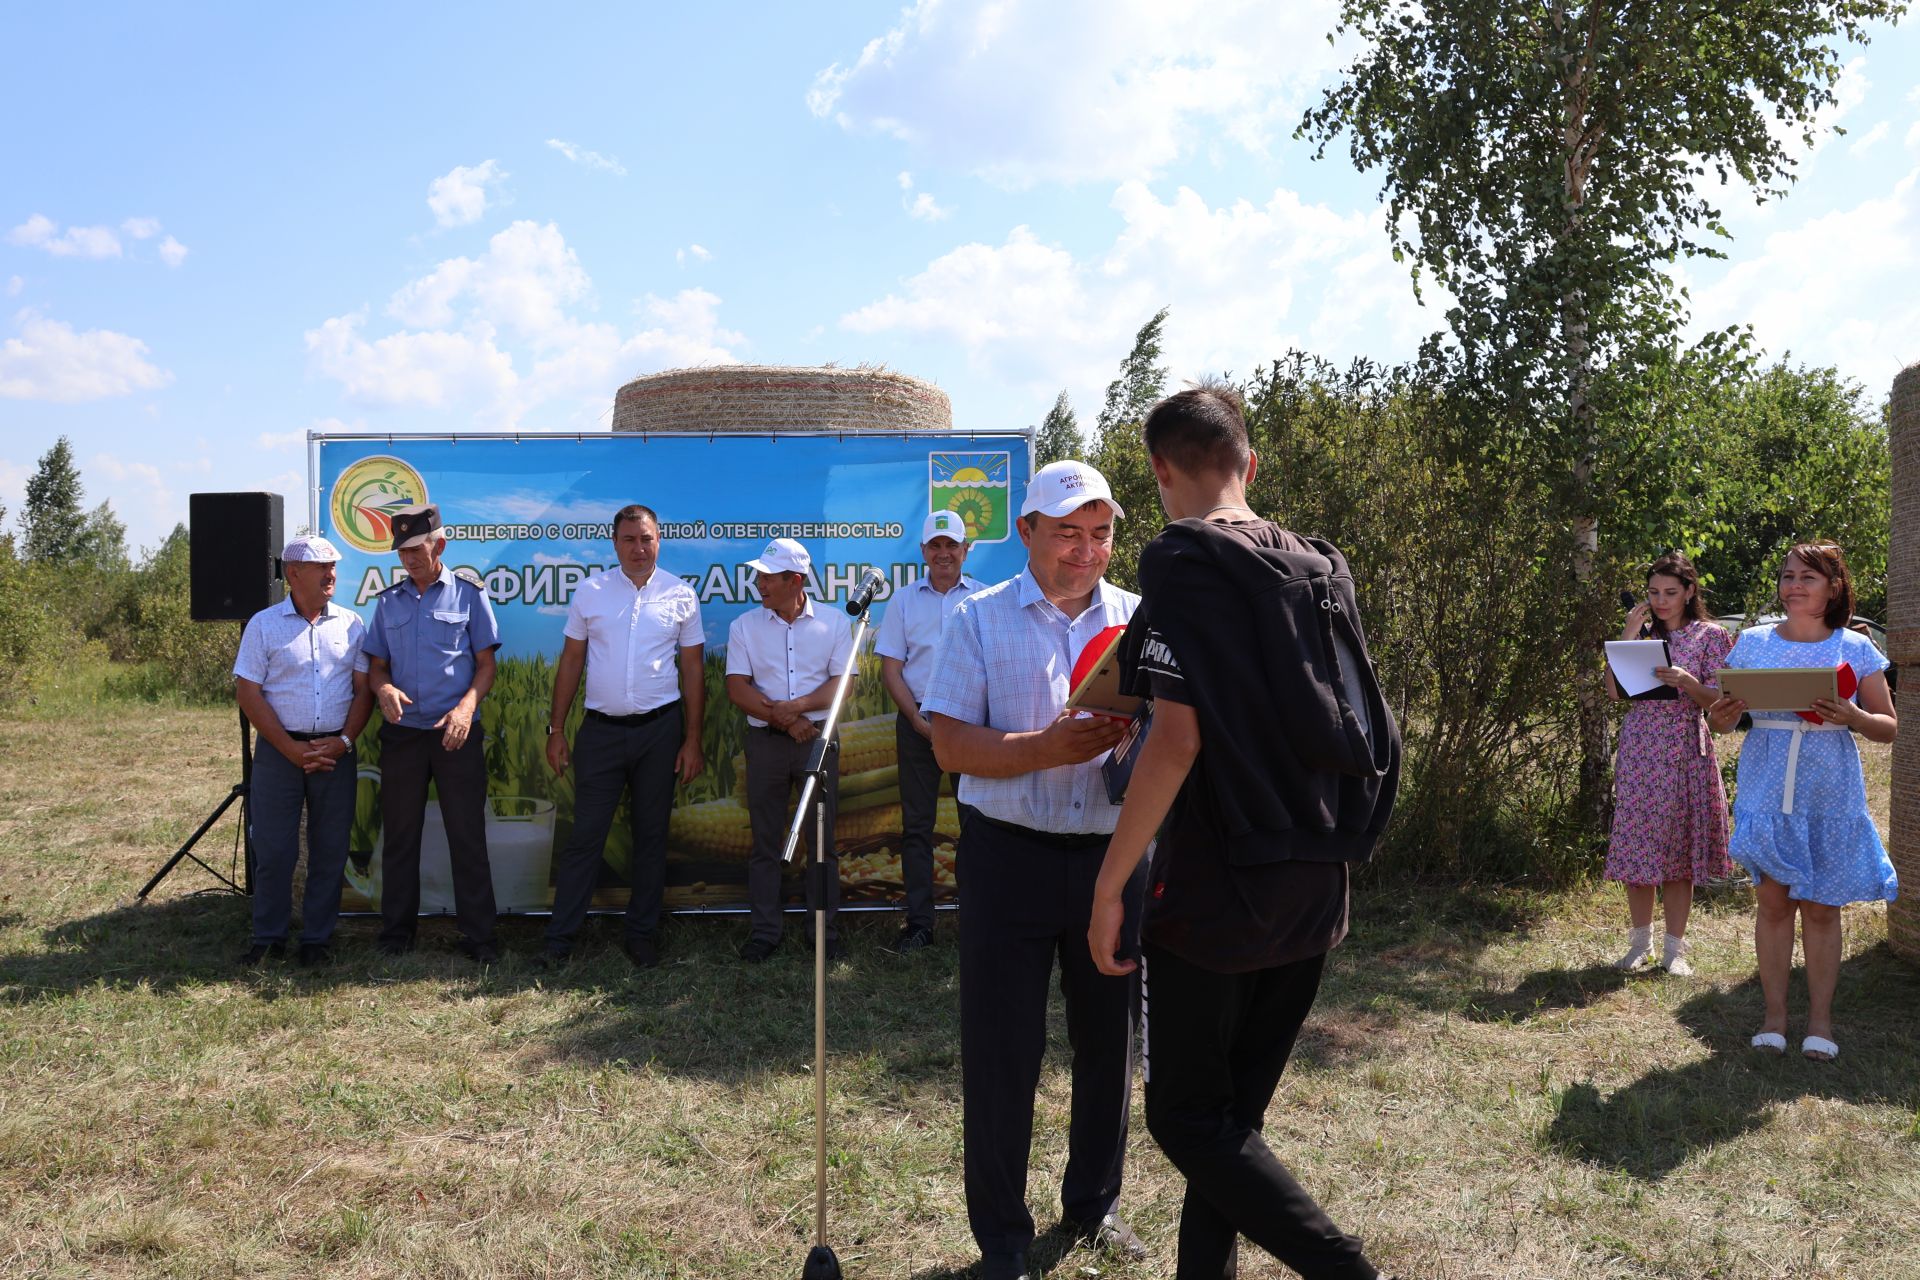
pixel 1300 755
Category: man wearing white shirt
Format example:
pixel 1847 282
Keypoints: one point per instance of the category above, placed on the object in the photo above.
pixel 636 630
pixel 782 660
pixel 909 635
pixel 301 679
pixel 1035 830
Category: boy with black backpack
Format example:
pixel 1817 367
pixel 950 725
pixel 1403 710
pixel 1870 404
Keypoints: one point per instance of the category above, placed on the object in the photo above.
pixel 1273 760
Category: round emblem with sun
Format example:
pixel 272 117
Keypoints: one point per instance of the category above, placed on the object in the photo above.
pixel 975 507
pixel 365 497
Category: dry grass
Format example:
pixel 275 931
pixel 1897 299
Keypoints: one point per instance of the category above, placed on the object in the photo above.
pixel 1475 1095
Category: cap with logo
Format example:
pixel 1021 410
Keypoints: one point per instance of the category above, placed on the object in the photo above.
pixel 414 525
pixel 1061 488
pixel 310 548
pixel 783 555
pixel 943 524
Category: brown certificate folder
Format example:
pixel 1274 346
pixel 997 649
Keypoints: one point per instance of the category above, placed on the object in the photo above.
pixel 1779 688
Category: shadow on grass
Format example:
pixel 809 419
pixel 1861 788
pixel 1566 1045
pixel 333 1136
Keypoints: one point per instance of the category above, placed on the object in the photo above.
pixel 1049 1249
pixel 1652 1126
pixel 702 1013
pixel 1550 990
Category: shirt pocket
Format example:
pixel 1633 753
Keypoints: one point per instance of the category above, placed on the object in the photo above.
pixel 445 631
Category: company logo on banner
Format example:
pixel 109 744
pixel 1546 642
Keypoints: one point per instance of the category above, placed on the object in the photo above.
pixel 365 497
pixel 976 487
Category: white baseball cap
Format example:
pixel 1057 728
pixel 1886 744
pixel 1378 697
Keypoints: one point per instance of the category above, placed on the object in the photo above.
pixel 783 555
pixel 943 524
pixel 1060 488
pixel 310 548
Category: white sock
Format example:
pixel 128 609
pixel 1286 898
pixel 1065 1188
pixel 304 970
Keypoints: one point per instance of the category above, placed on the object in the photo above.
pixel 1639 946
pixel 1673 956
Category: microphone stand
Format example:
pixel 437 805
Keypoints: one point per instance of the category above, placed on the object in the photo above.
pixel 822 1263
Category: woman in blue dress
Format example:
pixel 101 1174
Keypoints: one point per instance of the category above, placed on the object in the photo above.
pixel 1800 822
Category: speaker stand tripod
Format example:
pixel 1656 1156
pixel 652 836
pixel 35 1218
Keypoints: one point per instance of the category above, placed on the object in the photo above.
pixel 244 886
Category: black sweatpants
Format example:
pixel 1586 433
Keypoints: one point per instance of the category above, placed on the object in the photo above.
pixel 1024 900
pixel 409 758
pixel 1215 1045
pixel 610 760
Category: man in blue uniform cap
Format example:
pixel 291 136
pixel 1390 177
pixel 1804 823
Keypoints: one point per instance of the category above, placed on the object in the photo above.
pixel 430 654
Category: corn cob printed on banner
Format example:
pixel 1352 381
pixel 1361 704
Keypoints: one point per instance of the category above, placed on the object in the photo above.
pixel 529 518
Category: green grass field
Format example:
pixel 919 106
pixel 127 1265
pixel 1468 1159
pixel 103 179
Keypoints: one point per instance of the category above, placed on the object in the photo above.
pixel 1477 1095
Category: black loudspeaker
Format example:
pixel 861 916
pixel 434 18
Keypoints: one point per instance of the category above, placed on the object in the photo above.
pixel 234 542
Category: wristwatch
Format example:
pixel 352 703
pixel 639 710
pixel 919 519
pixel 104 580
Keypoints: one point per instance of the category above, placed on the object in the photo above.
pixel 346 742
pixel 549 731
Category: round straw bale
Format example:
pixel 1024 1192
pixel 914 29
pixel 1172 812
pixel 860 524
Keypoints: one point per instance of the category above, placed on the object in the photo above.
pixel 776 398
pixel 1903 642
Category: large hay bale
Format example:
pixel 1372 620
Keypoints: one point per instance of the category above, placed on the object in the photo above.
pixel 752 397
pixel 1903 642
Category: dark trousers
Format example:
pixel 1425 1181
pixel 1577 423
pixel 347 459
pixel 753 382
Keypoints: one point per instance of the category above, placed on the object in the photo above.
pixel 1216 1044
pixel 1023 901
pixel 610 760
pixel 919 806
pixel 409 758
pixel 281 794
pixel 775 766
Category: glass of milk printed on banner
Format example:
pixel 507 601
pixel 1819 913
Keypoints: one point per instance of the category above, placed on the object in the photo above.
pixel 519 851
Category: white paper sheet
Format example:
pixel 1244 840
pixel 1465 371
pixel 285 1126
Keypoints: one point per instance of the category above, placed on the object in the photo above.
pixel 1633 662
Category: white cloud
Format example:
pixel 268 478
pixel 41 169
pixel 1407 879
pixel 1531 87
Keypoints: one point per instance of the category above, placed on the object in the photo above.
pixel 1082 89
pixel 925 208
pixel 694 253
pixel 589 159
pixel 523 281
pixel 1033 313
pixel 1867 139
pixel 138 491
pixel 173 252
pixel 499 332
pixel 921 205
pixel 279 440
pixel 141 228
pixel 42 232
pixel 14 285
pixel 1804 291
pixel 434 368
pixel 47 360
pixel 460 197
pixel 1913 136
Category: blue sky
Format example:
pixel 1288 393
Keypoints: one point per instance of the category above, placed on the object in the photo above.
pixel 224 226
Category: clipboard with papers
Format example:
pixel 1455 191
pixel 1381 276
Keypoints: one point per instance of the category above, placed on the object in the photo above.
pixel 1632 663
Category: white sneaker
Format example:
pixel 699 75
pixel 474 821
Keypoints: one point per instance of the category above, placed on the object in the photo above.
pixel 1673 957
pixel 1639 947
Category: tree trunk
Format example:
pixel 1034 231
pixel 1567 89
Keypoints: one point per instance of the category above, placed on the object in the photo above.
pixel 1595 802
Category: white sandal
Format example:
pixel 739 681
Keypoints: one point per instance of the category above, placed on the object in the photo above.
pixel 1770 1042
pixel 1819 1049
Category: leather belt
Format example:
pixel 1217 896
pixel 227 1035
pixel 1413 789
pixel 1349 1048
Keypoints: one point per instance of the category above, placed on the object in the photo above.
pixel 636 720
pixel 316 737
pixel 1068 841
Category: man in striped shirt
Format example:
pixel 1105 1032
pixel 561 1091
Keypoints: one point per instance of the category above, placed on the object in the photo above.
pixel 1036 828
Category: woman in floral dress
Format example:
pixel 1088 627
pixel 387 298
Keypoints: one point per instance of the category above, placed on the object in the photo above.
pixel 1801 823
pixel 1669 810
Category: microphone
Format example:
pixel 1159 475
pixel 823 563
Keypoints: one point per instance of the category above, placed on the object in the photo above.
pixel 863 594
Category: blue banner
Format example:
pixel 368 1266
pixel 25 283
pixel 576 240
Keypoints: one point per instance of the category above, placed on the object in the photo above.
pixel 529 518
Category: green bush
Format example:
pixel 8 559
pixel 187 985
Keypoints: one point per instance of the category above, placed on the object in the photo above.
pixel 32 632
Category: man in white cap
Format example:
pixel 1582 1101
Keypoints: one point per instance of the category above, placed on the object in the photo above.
pixel 1036 826
pixel 782 660
pixel 301 680
pixel 909 634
